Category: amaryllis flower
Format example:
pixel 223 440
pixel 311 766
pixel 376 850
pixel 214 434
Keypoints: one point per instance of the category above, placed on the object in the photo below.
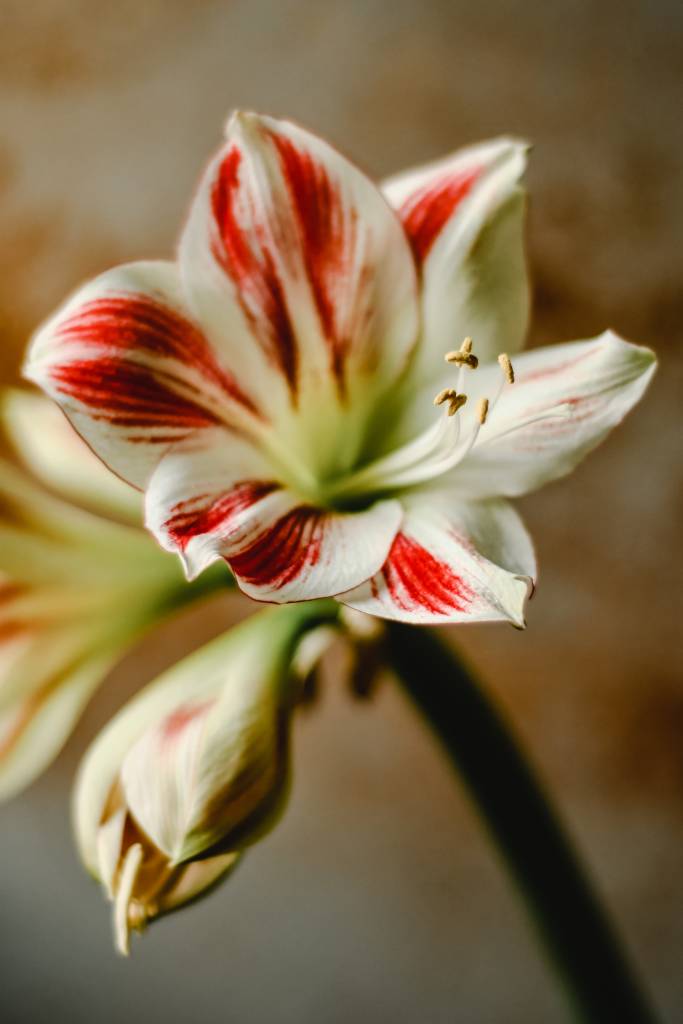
pixel 272 390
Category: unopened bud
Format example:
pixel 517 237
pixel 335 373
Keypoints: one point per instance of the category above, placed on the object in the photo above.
pixel 191 772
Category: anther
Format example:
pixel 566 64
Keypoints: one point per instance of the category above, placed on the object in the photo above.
pixel 445 396
pixel 461 358
pixel 466 346
pixel 455 401
pixel 506 367
pixel 482 410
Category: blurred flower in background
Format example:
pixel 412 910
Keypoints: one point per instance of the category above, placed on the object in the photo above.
pixel 77 589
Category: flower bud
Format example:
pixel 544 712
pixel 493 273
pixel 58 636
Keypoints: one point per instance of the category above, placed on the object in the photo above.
pixel 191 772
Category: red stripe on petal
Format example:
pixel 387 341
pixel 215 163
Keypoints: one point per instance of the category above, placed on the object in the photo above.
pixel 128 322
pixel 283 551
pixel 328 233
pixel 129 395
pixel 416 579
pixel 207 513
pixel 175 724
pixel 427 210
pixel 557 369
pixel 242 251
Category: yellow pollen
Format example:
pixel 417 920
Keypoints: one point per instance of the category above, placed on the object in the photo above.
pixel 462 359
pixel 445 396
pixel 456 403
pixel 450 395
pixel 482 410
pixel 506 367
pixel 466 346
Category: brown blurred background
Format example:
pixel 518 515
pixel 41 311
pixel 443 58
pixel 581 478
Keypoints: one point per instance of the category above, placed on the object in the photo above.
pixel 378 899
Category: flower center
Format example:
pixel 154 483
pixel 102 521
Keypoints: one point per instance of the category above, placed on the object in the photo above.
pixel 438 449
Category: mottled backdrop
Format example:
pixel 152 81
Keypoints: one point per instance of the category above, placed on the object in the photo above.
pixel 379 899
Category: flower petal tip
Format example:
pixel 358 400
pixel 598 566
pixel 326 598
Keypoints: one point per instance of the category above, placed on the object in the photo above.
pixel 195 562
pixel 30 371
pixel 242 123
pixel 516 610
pixel 639 362
pixel 512 152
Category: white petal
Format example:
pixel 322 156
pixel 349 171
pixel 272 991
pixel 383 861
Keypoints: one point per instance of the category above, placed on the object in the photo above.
pixel 222 501
pixel 109 844
pixel 196 877
pixel 201 492
pixel 50 447
pixel 288 551
pixel 131 370
pixel 452 562
pixel 203 769
pixel 296 265
pixel 565 400
pixel 464 215
pixel 132 863
pixel 34 731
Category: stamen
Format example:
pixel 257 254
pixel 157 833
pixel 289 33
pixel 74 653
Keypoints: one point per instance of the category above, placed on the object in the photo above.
pixel 462 359
pixel 455 401
pixel 482 410
pixel 445 396
pixel 506 367
pixel 464 356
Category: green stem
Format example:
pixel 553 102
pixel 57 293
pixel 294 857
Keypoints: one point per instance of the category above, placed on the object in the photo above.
pixel 577 934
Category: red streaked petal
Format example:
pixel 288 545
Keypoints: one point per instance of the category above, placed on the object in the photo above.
pixel 125 395
pixel 301 552
pixel 464 216
pixel 241 248
pixel 207 513
pixel 201 492
pixel 215 497
pixel 427 210
pixel 132 371
pixel 415 579
pixel 290 244
pixel 451 562
pixel 565 400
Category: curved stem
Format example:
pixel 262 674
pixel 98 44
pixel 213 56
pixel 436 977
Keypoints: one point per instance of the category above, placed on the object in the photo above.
pixel 576 932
